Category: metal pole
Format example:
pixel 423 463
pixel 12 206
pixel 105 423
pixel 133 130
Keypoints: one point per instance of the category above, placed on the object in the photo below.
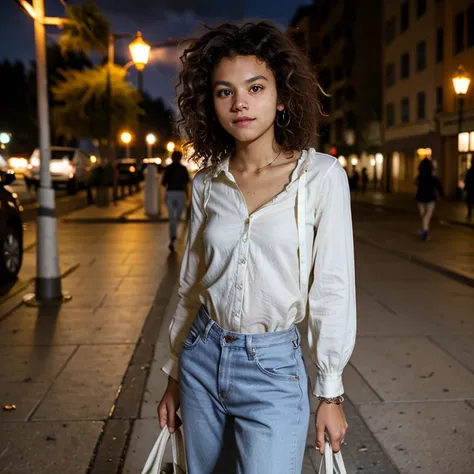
pixel 48 279
pixel 127 150
pixel 111 140
pixel 149 150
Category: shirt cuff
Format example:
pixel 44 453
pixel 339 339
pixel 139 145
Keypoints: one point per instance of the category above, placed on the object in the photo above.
pixel 171 367
pixel 328 386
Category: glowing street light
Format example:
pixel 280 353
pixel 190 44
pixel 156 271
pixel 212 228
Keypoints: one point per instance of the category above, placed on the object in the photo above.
pixel 4 138
pixel 170 146
pixel 140 51
pixel 461 82
pixel 126 138
pixel 150 140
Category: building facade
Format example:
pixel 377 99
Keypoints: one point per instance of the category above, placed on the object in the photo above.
pixel 424 41
pixel 343 41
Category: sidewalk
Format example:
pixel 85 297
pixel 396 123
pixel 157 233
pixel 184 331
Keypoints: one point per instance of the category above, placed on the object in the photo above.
pixel 448 210
pixel 86 378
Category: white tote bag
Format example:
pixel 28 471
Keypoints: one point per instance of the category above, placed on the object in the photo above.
pixel 331 463
pixel 154 463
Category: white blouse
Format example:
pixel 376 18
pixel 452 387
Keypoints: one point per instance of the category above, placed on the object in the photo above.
pixel 291 258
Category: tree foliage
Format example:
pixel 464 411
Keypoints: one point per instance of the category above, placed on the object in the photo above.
pixel 86 29
pixel 82 109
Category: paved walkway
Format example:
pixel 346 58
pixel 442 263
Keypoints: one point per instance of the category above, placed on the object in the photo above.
pixel 86 378
pixel 448 210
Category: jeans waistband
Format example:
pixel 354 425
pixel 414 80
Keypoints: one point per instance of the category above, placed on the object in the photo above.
pixel 210 329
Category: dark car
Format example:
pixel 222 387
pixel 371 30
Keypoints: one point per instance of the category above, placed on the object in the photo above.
pixel 11 229
pixel 130 172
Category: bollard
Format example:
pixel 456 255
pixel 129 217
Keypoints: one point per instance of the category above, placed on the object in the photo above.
pixel 151 191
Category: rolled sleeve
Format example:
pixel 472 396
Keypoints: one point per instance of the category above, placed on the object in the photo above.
pixel 332 301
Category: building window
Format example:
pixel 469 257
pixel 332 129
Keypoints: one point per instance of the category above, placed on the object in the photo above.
pixel 404 66
pixel 390 74
pixel 439 99
pixel 404 16
pixel 421 56
pixel 390 115
pixel 459 33
pixel 420 8
pixel 439 45
pixel 390 30
pixel 405 110
pixel 421 105
pixel 470 26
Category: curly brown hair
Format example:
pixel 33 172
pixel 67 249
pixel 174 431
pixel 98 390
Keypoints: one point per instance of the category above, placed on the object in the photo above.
pixel 297 87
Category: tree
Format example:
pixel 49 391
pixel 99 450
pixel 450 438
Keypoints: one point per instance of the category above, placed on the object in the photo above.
pixel 82 103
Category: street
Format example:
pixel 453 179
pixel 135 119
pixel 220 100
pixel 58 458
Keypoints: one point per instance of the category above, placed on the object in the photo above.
pixel 84 368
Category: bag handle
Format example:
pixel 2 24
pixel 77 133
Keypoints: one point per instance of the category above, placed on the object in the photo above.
pixel 332 463
pixel 154 463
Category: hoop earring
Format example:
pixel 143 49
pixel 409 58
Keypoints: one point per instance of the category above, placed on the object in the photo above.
pixel 285 117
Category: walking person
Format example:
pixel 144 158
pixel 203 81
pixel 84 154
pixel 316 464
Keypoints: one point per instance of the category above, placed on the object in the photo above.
pixel 364 179
pixel 270 244
pixel 428 189
pixel 469 188
pixel 175 179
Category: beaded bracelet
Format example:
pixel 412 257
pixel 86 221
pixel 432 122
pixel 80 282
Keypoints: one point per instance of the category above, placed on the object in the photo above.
pixel 334 400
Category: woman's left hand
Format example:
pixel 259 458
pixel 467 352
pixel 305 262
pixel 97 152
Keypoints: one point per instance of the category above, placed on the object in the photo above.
pixel 330 418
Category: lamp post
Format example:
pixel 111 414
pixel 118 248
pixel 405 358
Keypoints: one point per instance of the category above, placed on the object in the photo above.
pixel 461 81
pixel 48 288
pixel 126 138
pixel 152 191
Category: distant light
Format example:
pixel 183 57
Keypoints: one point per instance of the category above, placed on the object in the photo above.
pixel 151 139
pixel 463 142
pixel 372 162
pixel 4 138
pixel 170 146
pixel 379 158
pixel 342 160
pixel 93 159
pixel 140 51
pixel 354 161
pixel 132 169
pixel 168 161
pixel 126 137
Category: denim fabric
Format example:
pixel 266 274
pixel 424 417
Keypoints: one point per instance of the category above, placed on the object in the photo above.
pixel 176 202
pixel 244 400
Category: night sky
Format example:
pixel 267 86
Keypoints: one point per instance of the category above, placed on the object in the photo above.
pixel 157 19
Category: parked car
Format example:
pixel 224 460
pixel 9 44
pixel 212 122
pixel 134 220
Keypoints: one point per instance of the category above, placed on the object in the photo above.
pixel 130 172
pixel 19 164
pixel 69 167
pixel 11 229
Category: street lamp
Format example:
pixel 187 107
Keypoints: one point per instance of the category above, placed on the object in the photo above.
pixel 150 140
pixel 140 51
pixel 170 146
pixel 126 138
pixel 461 81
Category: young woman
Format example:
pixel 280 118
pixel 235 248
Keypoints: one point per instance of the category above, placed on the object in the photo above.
pixel 428 188
pixel 270 244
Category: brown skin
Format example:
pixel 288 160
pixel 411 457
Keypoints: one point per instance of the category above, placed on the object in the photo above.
pixel 236 95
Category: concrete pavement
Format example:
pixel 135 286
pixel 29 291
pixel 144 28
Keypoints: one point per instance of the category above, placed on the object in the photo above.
pixel 86 379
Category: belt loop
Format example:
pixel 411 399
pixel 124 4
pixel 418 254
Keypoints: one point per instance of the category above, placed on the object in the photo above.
pixel 208 327
pixel 248 345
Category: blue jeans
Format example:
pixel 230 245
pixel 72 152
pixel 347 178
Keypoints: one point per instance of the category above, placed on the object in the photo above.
pixel 244 400
pixel 176 202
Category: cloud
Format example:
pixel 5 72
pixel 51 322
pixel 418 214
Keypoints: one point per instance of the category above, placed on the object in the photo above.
pixel 152 10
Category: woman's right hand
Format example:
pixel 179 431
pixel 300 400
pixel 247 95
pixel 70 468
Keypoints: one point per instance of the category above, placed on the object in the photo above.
pixel 168 407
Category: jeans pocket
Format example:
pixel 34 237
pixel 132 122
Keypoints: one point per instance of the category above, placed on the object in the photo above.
pixel 278 362
pixel 193 337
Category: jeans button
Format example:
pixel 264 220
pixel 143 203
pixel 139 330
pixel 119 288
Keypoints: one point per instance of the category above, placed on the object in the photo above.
pixel 228 339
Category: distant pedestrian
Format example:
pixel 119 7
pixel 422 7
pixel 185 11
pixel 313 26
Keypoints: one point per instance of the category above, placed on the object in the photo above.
pixel 469 188
pixel 175 179
pixel 364 179
pixel 428 189
pixel 354 179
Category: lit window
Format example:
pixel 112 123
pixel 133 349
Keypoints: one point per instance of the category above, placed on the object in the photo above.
pixel 463 142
